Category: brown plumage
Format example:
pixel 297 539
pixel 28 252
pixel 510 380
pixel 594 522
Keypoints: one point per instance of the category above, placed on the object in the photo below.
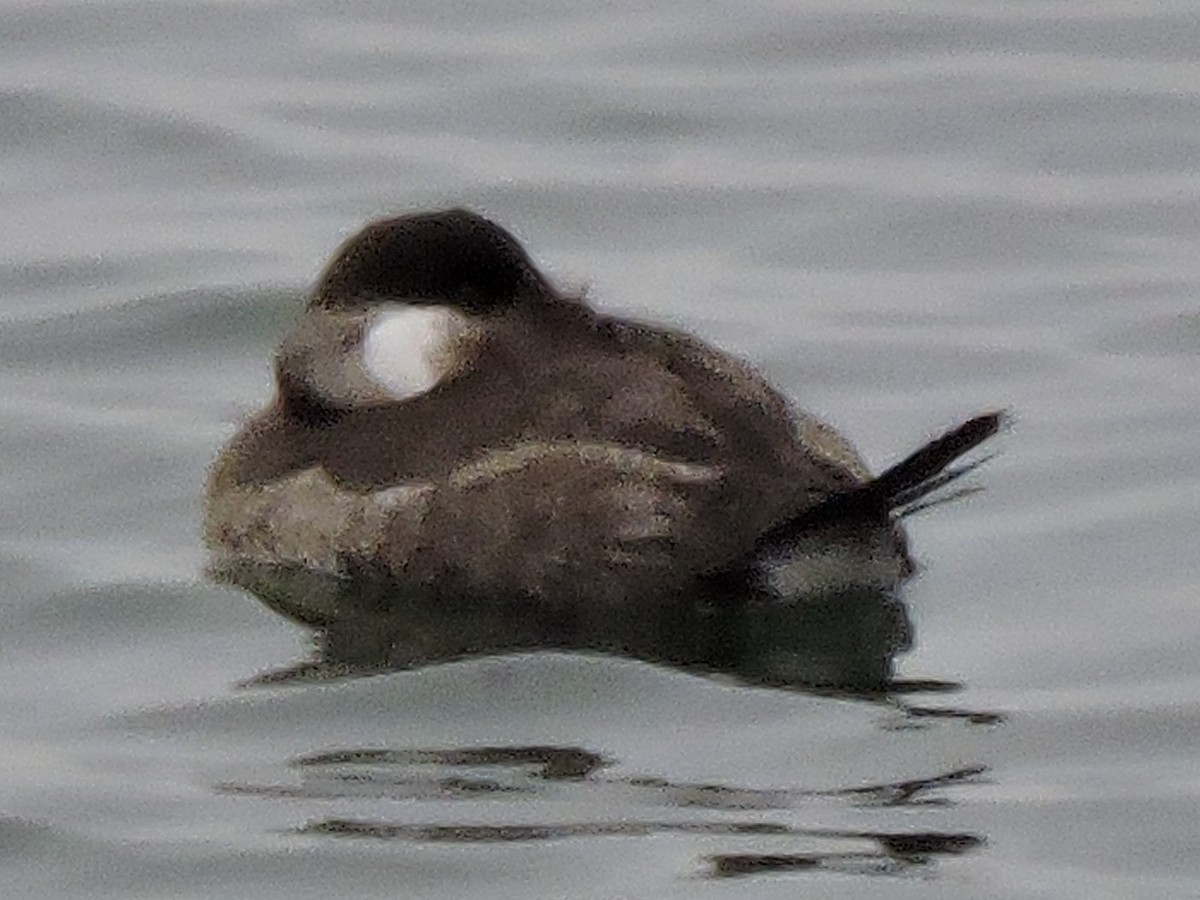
pixel 561 454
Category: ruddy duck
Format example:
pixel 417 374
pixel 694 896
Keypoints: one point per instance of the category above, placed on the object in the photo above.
pixel 446 416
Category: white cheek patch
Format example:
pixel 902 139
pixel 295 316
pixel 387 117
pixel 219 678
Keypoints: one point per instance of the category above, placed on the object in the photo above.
pixel 409 349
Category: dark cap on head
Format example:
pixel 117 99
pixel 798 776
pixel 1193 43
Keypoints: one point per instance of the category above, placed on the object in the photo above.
pixel 452 256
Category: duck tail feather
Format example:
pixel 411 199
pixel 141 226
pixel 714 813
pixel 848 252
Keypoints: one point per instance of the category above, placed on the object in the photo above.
pixel 905 488
pixel 925 471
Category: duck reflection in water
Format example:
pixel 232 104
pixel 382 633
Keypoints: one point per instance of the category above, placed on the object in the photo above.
pixel 461 459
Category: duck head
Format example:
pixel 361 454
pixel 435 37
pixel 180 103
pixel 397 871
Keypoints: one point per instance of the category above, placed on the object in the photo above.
pixel 404 304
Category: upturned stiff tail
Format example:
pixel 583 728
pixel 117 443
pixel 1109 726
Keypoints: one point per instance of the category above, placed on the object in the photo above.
pixel 905 488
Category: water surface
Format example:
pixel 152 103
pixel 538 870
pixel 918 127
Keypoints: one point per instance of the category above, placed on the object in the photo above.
pixel 902 217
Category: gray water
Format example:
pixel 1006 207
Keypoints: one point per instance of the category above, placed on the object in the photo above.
pixel 902 217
